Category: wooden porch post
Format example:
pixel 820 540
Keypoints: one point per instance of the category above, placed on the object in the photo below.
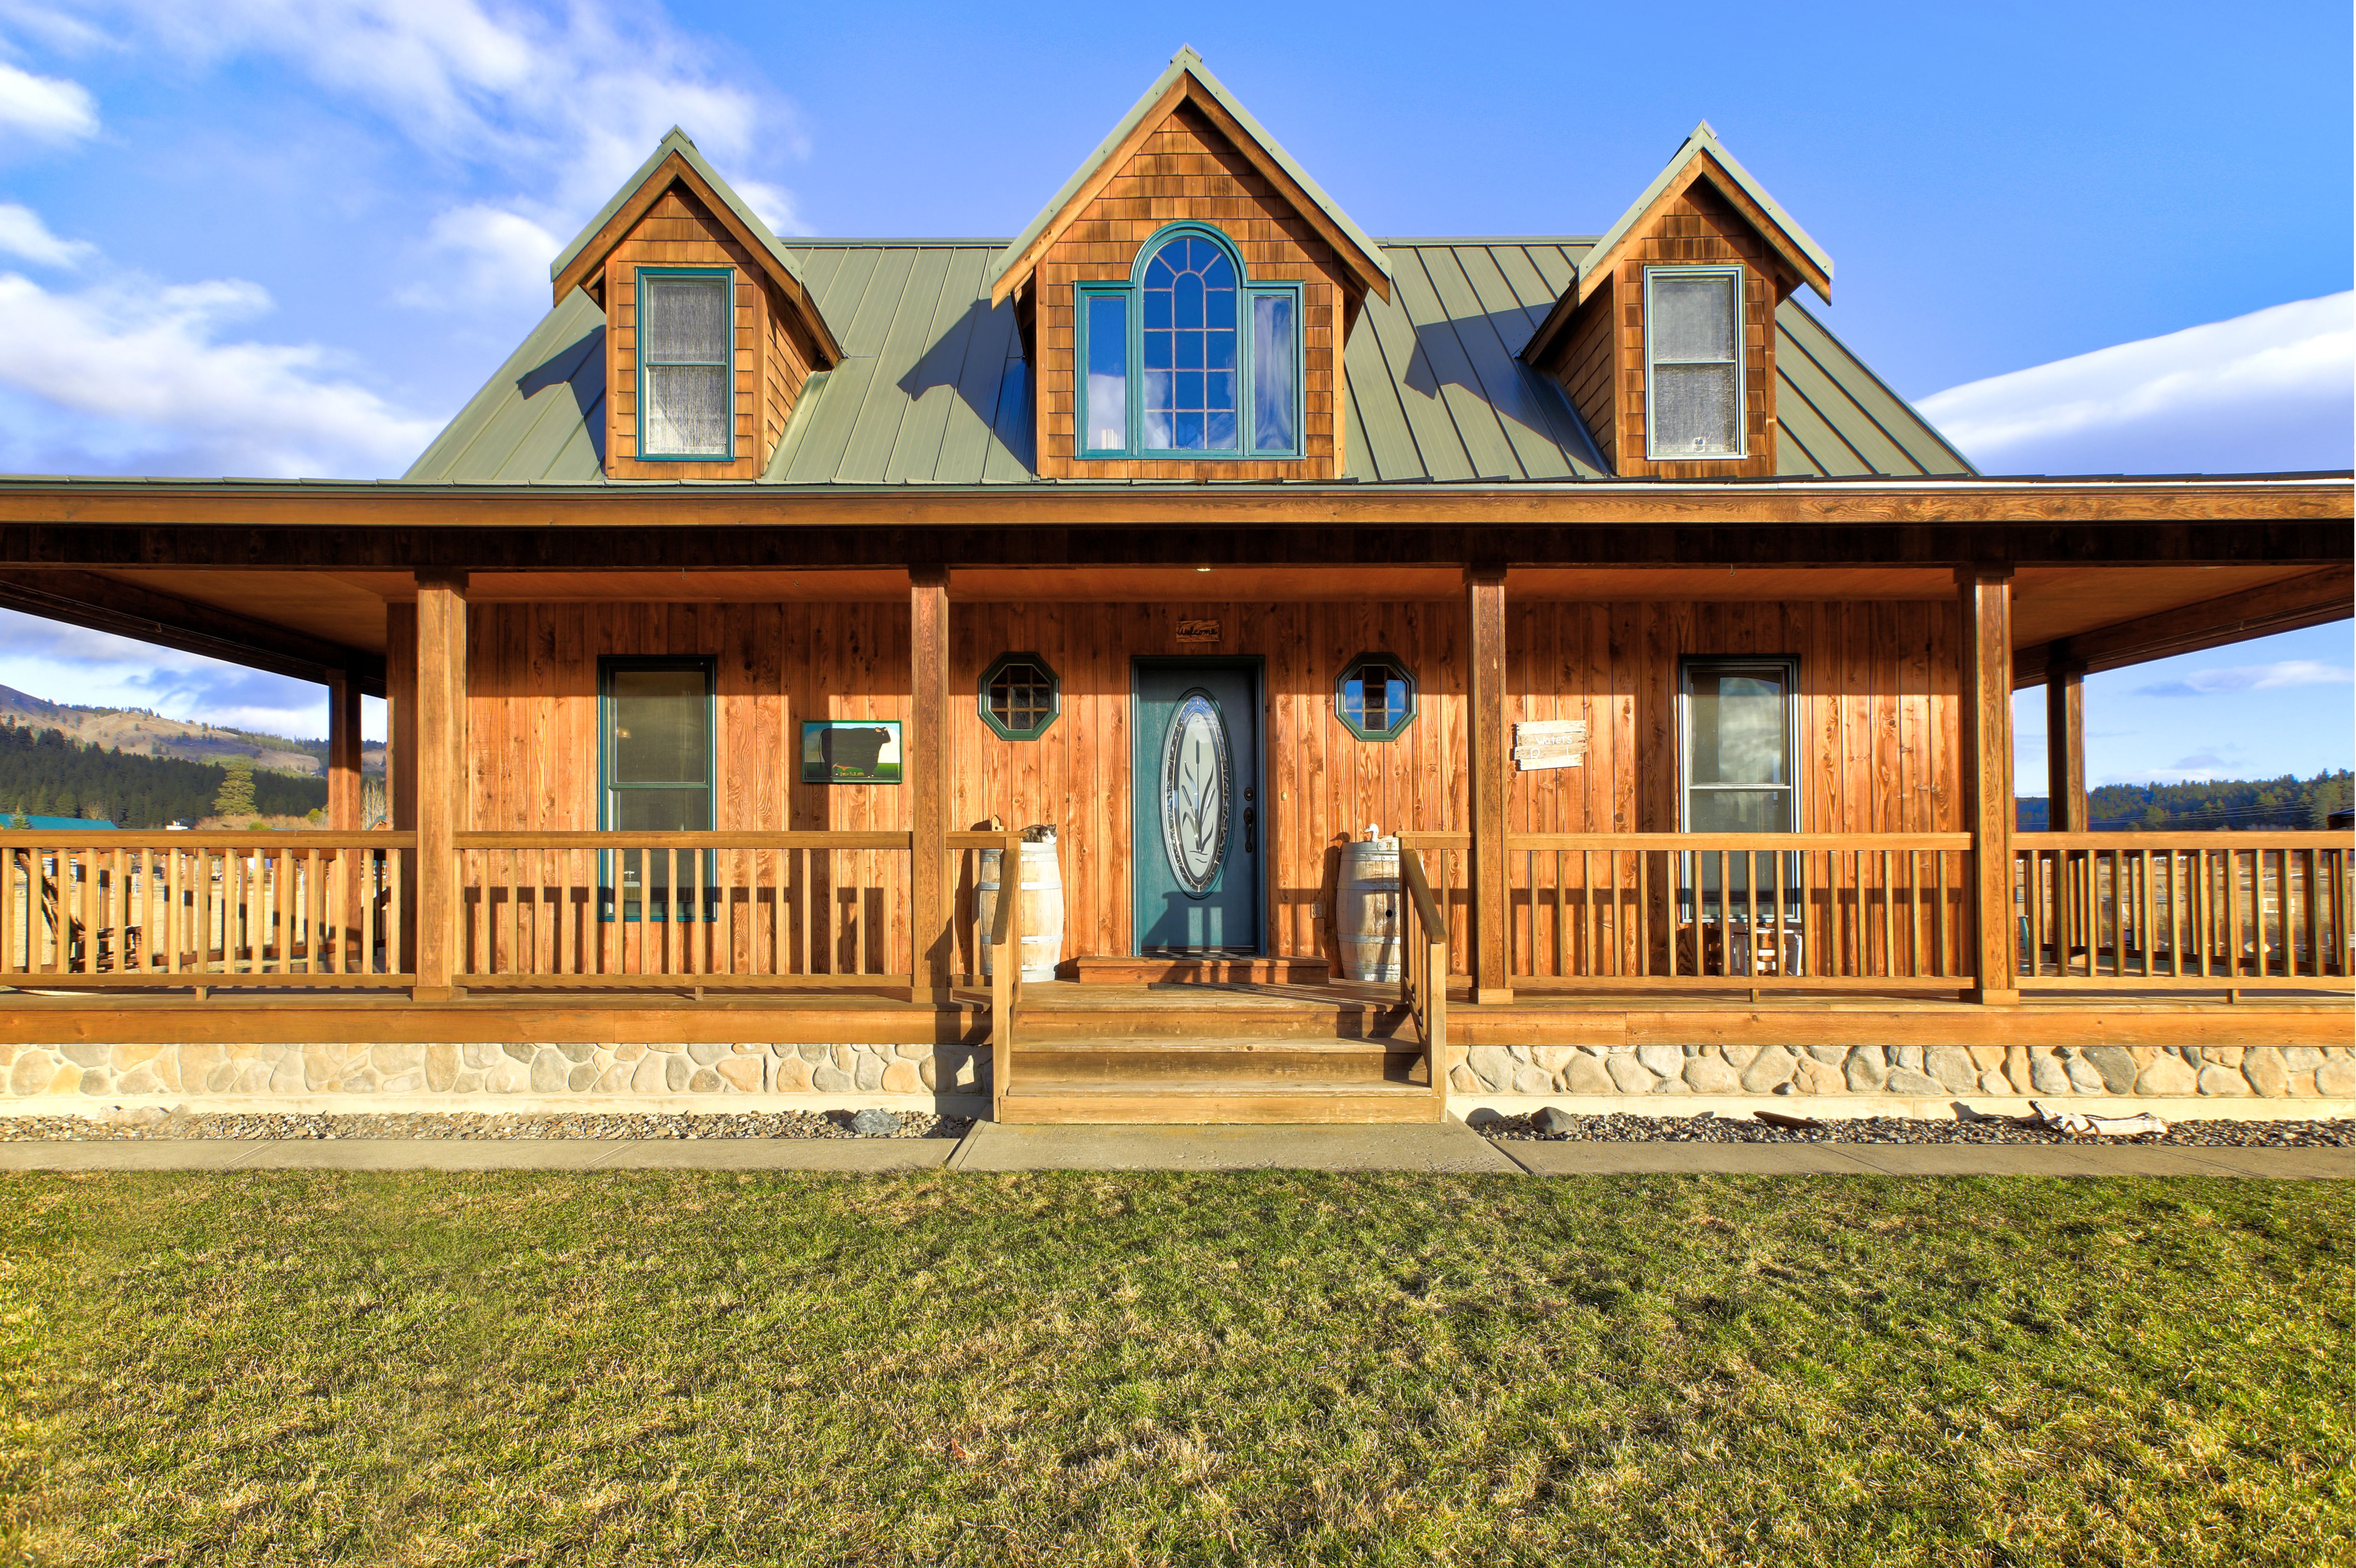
pixel 2065 747
pixel 1986 593
pixel 441 774
pixel 924 750
pixel 342 754
pixel 1485 597
pixel 400 772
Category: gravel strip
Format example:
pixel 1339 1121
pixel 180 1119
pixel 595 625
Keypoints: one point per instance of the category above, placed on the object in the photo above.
pixel 1710 1128
pixel 435 1126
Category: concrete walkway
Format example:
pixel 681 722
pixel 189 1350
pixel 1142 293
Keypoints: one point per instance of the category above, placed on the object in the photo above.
pixel 997 1146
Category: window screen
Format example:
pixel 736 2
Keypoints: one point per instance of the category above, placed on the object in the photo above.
pixel 658 751
pixel 1740 775
pixel 684 352
pixel 1693 327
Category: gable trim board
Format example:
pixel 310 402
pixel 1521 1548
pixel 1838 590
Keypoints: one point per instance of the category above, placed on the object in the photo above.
pixel 1185 80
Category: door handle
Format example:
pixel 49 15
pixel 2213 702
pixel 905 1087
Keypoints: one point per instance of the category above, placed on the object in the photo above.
pixel 1251 837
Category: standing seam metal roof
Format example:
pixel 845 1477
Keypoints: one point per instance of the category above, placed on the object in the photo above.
pixel 934 390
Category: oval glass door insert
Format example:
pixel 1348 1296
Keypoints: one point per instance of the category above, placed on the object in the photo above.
pixel 1195 781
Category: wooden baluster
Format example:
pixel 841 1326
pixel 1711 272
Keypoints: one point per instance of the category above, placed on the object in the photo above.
pixel 1644 915
pixel 8 908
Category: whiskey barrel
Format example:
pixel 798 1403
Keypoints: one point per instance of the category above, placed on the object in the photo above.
pixel 1366 924
pixel 1042 906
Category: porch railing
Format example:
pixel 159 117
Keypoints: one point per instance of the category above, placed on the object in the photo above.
pixel 1423 969
pixel 121 909
pixel 1790 911
pixel 2183 910
pixel 690 910
pixel 1004 939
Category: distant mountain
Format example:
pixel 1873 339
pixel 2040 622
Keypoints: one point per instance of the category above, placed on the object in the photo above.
pixel 137 733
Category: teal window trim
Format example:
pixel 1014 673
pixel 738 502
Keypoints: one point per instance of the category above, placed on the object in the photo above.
pixel 999 727
pixel 1356 669
pixel 1248 289
pixel 727 276
pixel 609 907
pixel 1652 451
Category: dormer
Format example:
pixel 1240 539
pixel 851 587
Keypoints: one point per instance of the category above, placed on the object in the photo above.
pixel 710 332
pixel 1665 339
pixel 1184 298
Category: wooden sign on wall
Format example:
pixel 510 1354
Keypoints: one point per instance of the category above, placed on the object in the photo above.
pixel 1549 743
pixel 1198 631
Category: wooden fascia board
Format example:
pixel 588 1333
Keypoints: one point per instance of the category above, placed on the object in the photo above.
pixel 1113 162
pixel 1593 268
pixel 590 263
pixel 2313 599
pixel 1903 503
pixel 109 604
pixel 1187 89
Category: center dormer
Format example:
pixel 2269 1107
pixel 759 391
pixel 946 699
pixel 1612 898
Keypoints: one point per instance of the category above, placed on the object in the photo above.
pixel 1184 298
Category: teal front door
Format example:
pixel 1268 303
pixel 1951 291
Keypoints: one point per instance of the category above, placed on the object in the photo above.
pixel 1199 822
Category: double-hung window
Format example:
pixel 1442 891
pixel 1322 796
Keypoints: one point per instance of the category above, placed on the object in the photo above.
pixel 1740 736
pixel 687 364
pixel 1189 357
pixel 654 767
pixel 1692 362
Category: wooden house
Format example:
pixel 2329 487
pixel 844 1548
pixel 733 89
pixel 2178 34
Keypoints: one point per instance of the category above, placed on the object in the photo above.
pixel 769 586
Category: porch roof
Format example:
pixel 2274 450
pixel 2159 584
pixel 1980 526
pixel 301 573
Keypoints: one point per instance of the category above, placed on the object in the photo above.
pixel 934 390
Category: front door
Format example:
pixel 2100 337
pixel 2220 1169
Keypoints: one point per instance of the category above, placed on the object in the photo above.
pixel 1199 822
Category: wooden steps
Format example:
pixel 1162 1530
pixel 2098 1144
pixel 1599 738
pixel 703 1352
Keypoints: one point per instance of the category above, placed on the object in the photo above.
pixel 1218 1100
pixel 1147 969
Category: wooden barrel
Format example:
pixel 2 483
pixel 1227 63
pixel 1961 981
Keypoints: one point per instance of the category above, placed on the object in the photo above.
pixel 1042 907
pixel 1367 926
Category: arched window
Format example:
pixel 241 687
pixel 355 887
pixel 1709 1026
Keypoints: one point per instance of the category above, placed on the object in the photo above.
pixel 1190 356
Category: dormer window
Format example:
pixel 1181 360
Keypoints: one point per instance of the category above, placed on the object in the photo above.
pixel 1189 358
pixel 1692 362
pixel 687 393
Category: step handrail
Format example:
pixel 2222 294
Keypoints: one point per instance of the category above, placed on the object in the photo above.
pixel 1006 971
pixel 1423 971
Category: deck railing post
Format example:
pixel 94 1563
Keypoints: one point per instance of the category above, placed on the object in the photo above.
pixel 1485 600
pixel 1985 596
pixel 924 752
pixel 440 775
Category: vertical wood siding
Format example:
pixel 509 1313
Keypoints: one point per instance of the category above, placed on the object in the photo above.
pixel 1878 721
pixel 1187 170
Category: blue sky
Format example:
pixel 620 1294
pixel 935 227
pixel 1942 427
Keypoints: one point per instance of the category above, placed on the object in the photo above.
pixel 292 236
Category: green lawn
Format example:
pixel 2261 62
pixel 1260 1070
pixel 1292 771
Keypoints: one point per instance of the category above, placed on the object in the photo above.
pixel 1267 1368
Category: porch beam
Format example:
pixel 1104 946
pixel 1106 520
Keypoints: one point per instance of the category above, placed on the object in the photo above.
pixel 441 776
pixel 2311 599
pixel 926 765
pixel 2065 748
pixel 1986 595
pixel 128 610
pixel 1485 588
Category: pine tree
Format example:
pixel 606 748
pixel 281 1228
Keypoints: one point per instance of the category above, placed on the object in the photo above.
pixel 236 798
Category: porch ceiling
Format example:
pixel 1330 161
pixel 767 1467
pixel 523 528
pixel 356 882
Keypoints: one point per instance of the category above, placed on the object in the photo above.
pixel 345 608
pixel 2052 602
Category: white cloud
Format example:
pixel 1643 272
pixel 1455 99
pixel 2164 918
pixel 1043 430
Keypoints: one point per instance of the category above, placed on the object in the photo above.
pixel 44 108
pixel 491 256
pixel 563 102
pixel 2274 389
pixel 2273 676
pixel 151 367
pixel 24 235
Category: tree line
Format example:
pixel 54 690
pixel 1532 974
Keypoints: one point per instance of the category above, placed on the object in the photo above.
pixel 46 772
pixel 2286 802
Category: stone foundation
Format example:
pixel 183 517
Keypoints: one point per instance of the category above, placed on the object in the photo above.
pixel 476 1071
pixel 1911 1071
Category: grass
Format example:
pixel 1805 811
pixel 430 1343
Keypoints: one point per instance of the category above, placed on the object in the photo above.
pixel 654 1367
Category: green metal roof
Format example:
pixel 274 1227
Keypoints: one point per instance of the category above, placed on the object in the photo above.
pixel 1703 139
pixel 1184 62
pixel 934 390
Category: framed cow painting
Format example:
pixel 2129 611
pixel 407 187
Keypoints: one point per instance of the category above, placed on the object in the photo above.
pixel 851 750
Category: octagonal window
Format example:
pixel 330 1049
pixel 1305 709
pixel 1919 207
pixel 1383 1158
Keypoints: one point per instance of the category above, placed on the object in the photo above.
pixel 1376 696
pixel 1020 696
